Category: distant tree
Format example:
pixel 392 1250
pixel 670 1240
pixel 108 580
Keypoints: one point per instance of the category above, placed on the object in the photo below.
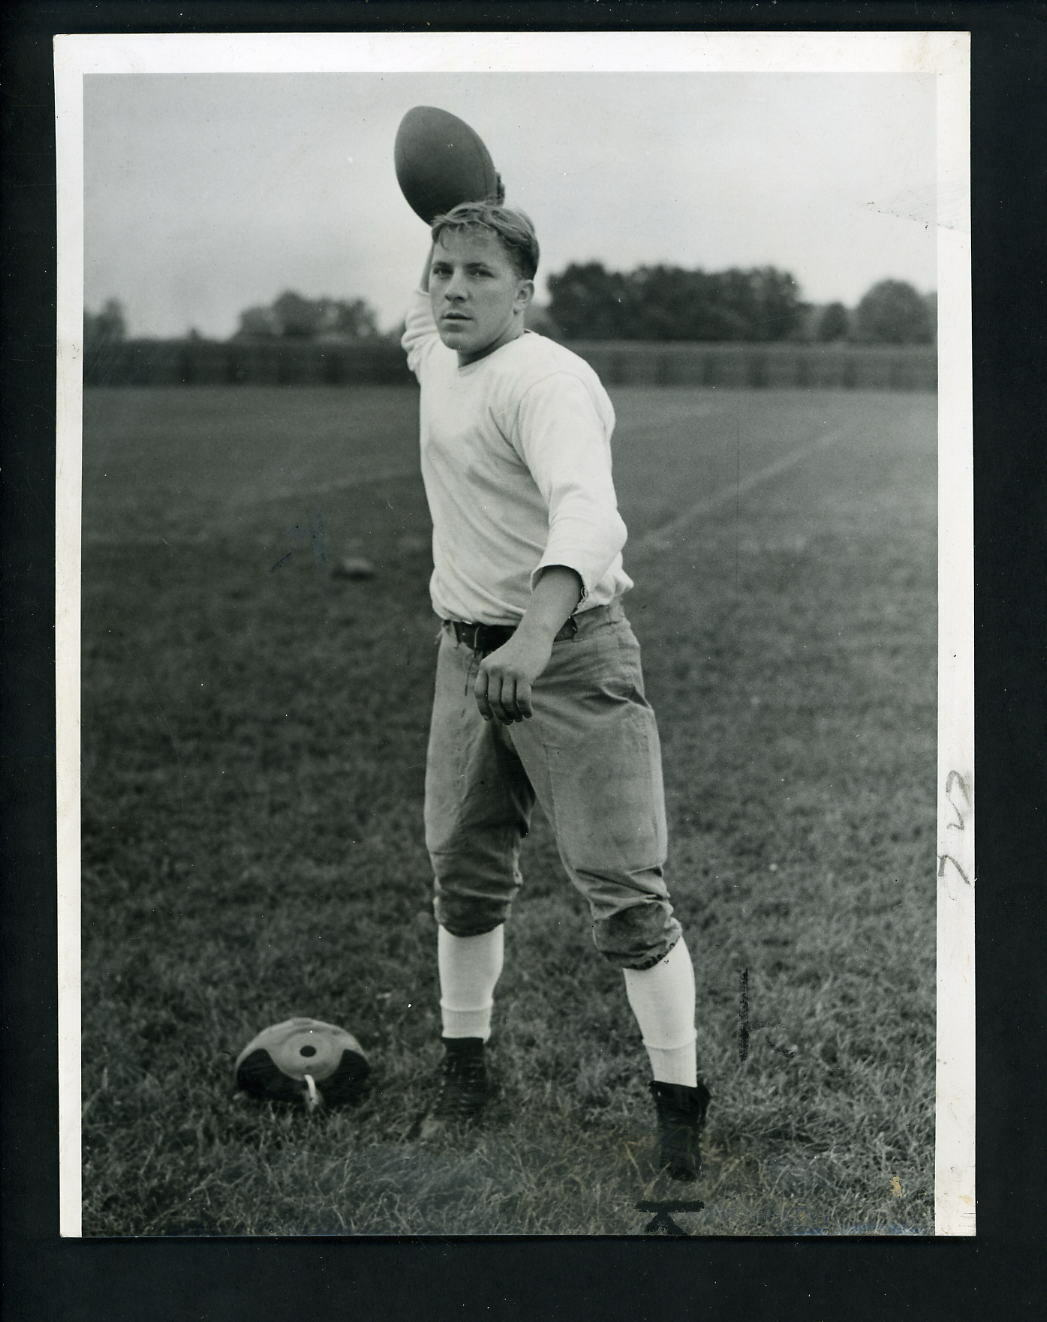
pixel 930 302
pixel 297 317
pixel 833 323
pixel 664 303
pixel 106 327
pixel 671 303
pixel 292 316
pixel 892 312
pixel 589 302
pixel 355 319
pixel 258 322
pixel 765 300
pixel 104 333
pixel 806 320
pixel 674 304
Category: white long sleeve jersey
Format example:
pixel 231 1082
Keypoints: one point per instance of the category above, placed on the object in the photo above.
pixel 516 461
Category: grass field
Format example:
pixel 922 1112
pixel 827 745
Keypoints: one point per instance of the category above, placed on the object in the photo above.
pixel 253 746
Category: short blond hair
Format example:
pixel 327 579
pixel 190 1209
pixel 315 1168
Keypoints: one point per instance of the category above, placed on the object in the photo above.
pixel 512 227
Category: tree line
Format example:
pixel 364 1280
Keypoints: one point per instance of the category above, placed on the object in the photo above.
pixel 294 317
pixel 589 302
pixel 759 305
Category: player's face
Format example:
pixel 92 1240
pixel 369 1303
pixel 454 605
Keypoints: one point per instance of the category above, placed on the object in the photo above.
pixel 478 299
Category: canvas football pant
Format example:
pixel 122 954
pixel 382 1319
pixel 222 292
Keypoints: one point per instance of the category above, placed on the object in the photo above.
pixel 590 755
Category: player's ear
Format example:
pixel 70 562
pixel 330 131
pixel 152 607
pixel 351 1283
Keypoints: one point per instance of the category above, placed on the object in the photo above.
pixel 524 294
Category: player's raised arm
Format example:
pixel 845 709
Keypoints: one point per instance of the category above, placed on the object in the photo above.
pixel 419 335
pixel 423 283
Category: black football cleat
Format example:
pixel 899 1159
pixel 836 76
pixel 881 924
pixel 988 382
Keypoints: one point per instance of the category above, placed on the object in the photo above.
pixel 681 1119
pixel 463 1092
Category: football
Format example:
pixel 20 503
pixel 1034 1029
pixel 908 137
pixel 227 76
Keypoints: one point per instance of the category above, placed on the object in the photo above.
pixel 303 1061
pixel 440 161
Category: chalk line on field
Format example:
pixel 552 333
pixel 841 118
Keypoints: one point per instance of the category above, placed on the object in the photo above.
pixel 660 539
pixel 245 498
pixel 263 494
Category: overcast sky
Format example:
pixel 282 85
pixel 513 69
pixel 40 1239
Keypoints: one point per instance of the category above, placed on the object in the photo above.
pixel 206 194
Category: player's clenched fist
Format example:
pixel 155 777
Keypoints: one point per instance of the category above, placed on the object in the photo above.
pixel 504 678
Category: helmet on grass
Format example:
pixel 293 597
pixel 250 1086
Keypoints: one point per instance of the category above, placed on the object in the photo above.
pixel 305 1061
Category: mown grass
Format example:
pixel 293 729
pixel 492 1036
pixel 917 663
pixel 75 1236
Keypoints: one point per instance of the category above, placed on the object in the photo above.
pixel 253 757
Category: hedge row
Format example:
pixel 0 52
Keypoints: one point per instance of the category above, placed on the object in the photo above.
pixel 242 362
pixel 207 362
pixel 756 366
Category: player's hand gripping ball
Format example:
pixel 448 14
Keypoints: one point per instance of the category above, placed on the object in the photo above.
pixel 304 1061
pixel 440 161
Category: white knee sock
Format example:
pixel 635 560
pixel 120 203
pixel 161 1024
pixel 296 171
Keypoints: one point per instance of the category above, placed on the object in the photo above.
pixel 662 999
pixel 469 968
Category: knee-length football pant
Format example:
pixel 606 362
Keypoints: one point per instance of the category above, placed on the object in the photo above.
pixel 590 755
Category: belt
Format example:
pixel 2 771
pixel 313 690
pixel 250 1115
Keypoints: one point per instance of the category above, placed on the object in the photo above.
pixel 484 638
